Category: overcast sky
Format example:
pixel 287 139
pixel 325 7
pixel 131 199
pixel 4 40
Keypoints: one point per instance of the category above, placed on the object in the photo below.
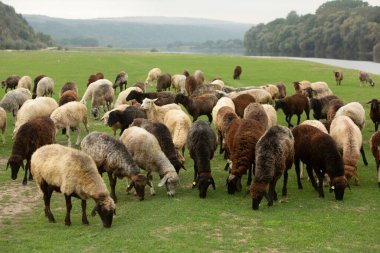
pixel 247 11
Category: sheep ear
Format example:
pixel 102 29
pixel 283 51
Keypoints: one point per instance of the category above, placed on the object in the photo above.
pixel 154 100
pixel 369 102
pixel 195 182
pixel 93 212
pixel 163 181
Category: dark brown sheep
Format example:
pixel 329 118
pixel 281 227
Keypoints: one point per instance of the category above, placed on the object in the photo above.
pixel 36 80
pixel 197 106
pixel 338 74
pixel 225 116
pixel 237 72
pixel 294 104
pixel 375 148
pixel 120 80
pixel 93 78
pixel 10 83
pixel 185 72
pixel 30 136
pixel 69 86
pixel 163 97
pixel 319 152
pixel 140 85
pixel 332 108
pixel 241 102
pixel 164 82
pixel 68 96
pixel 281 90
pixel 374 112
pixel 190 84
pixel 319 106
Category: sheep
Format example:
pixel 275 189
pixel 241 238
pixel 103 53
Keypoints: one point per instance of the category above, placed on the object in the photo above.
pixel 319 152
pixel 163 98
pixel 33 108
pixel 223 101
pixel 375 149
pixel 185 72
pixel 111 156
pixel 33 134
pixel 73 173
pixel 25 82
pixel 35 83
pixel 272 89
pixel 281 90
pixel 178 83
pixel 190 84
pixel 10 83
pixel 256 112
pixel 94 78
pixel 45 87
pixel 317 90
pixel 161 132
pixel 332 108
pixel 355 111
pixel 121 78
pixel 3 123
pixel 364 78
pixel 121 99
pixel 261 96
pixel 201 143
pixel 206 88
pixel 68 96
pixel 199 77
pixel 271 113
pixel 374 112
pixel 301 85
pixel 241 102
pixel 140 85
pixel 274 157
pixel 103 95
pixel 338 74
pixel 68 86
pixel 294 104
pixel 315 123
pixel 105 117
pixel 164 82
pixel 241 138
pixel 88 94
pixel 197 106
pixel 320 105
pixel 348 139
pixel 224 117
pixel 218 82
pixel 70 115
pixel 146 151
pixel 237 73
pixel 125 118
pixel 156 112
pixel 14 99
pixel 153 75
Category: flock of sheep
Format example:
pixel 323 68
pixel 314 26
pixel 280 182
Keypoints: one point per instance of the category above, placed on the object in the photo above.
pixel 155 130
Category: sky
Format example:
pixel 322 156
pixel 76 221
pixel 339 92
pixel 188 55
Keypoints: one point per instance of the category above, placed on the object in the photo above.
pixel 244 11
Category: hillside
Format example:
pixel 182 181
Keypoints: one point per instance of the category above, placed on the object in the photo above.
pixel 135 32
pixel 15 33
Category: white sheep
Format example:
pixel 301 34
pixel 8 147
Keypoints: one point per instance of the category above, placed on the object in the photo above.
pixel 33 108
pixel 355 111
pixel 178 83
pixel 3 123
pixel 146 151
pixel 103 95
pixel 121 99
pixel 25 82
pixel 70 115
pixel 301 85
pixel 14 99
pixel 91 87
pixel 73 173
pixel 272 115
pixel 272 89
pixel 45 87
pixel 153 75
pixel 261 96
pixel 315 123
pixel 318 90
pixel 156 112
pixel 223 101
pixel 199 77
pixel 218 82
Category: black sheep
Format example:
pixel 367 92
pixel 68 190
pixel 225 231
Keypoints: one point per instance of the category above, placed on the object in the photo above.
pixel 126 117
pixel 163 98
pixel 36 80
pixel 375 112
pixel 237 72
pixel 319 106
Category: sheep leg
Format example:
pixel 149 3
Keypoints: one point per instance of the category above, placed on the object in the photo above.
pixel 68 210
pixel 289 119
pixel 78 136
pixel 284 187
pixel 25 180
pixel 195 181
pixel 298 119
pixel 209 116
pixel 47 196
pixel 150 179
pixel 3 135
pixel 272 195
pixel 309 170
pixel 113 185
pixel 297 167
pixel 27 168
pixel 220 142
pixel 376 126
pixel 378 176
pixel 84 215
pixel 68 136
pixel 363 155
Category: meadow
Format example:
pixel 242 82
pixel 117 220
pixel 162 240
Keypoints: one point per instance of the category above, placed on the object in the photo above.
pixel 302 222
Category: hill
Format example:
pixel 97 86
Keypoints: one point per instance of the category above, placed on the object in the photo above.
pixel 135 32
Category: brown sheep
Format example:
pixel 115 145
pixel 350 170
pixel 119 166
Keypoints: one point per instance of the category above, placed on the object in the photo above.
pixel 68 86
pixel 374 112
pixel 294 104
pixel 237 73
pixel 257 112
pixel 68 96
pixel 197 106
pixel 364 78
pixel 375 148
pixel 241 102
pixel 281 90
pixel 338 74
pixel 333 107
pixel 93 78
pixel 164 82
pixel 224 117
pixel 190 84
pixel 10 83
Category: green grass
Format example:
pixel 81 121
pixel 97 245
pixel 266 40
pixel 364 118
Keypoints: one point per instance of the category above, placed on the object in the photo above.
pixel 220 223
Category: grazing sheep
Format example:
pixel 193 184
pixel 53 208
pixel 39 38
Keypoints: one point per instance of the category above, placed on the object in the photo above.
pixel 272 89
pixel 348 139
pixel 161 132
pixel 156 112
pixel 241 102
pixel 69 86
pixel 121 79
pixel 225 116
pixel 10 83
pixel 320 105
pixel 105 117
pixel 94 78
pixel 315 123
pixel 33 134
pixel 14 99
pixel 103 96
pixel 153 75
pixel 164 82
pixel 68 96
pixel 261 96
pixel 185 72
pixel 33 108
pixel 163 98
pixel 73 173
pixel 319 152
pixel 375 148
pixel 146 151
pixel 88 94
pixel 45 87
pixel 223 101
pixel 201 143
pixel 317 90
pixel 355 111
pixel 332 108
pixel 70 115
pixel 35 83
pixel 125 118
pixel 139 85
pixel 121 99
pixel 257 112
pixel 190 84
pixel 3 123
pixel 25 82
pixel 338 74
pixel 197 106
pixel 206 88
pixel 178 83
pixel 199 77
pixel 299 86
pixel 294 104
pixel 237 73
pixel 274 157
pixel 271 113
pixel 374 112
pixel 365 79
pixel 281 90
pixel 241 138
pixel 111 156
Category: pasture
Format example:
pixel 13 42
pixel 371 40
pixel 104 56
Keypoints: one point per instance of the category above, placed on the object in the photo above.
pixel 185 223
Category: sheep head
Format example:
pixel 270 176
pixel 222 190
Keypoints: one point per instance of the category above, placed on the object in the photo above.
pixel 258 191
pixel 148 103
pixel 338 185
pixel 105 207
pixel 171 180
pixel 95 112
pixel 203 181
pixel 15 161
pixel 139 182
pixel 234 184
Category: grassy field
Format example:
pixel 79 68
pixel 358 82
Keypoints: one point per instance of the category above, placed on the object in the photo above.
pixel 221 222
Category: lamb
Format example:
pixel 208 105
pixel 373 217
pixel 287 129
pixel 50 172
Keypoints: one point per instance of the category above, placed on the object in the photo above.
pixel 224 117
pixel 294 104
pixel 14 99
pixel 3 123
pixel 178 83
pixel 201 143
pixel 69 86
pixel 319 152
pixel 25 82
pixel 164 82
pixel 274 157
pixel 190 84
pixel 320 105
pixel 121 79
pixel 272 89
pixel 281 90
pixel 241 102
pixel 197 106
pixel 375 149
pixel 126 117
pixel 223 101
pixel 257 112
pixel 153 75
pixel 161 132
pixel 111 156
pixel 73 173
pixel 10 83
pixel 199 77
pixel 45 87
pixel 146 151
pixel 338 74
pixel 103 95
pixel 364 78
pixel 237 73
pixel 91 87
pixel 355 111
pixel 105 117
pixel 94 78
pixel 163 98
pixel 35 83
pixel 332 108
pixel 271 113
pixel 349 141
pixel 70 115
pixel 374 112
pixel 31 136
pixel 121 99
pixel 33 108
pixel 68 96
